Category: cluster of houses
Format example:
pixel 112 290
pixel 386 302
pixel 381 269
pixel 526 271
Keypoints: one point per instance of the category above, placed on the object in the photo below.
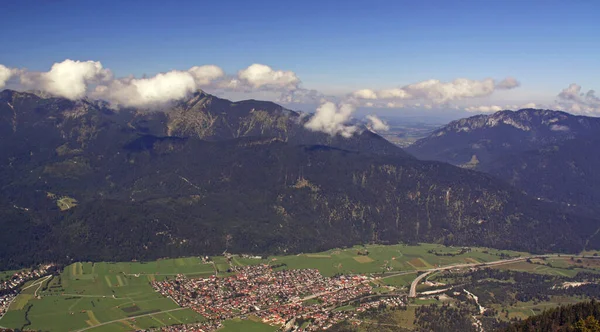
pixel 390 302
pixel 10 286
pixel 208 326
pixel 5 301
pixel 277 297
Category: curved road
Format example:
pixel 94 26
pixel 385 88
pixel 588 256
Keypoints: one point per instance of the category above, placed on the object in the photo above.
pixel 413 286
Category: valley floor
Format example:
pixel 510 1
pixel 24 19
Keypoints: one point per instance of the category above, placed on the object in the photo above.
pixel 400 287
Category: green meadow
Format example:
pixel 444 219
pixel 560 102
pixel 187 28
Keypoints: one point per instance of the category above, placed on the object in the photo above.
pixel 382 258
pixel 555 266
pixel 90 294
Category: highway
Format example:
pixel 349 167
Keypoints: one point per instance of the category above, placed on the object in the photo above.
pixel 413 286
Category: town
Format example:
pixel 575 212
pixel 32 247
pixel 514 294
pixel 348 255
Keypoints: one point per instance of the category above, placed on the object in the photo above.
pixel 9 288
pixel 295 300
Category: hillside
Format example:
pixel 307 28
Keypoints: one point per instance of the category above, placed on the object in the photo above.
pixel 544 153
pixel 577 317
pixel 80 181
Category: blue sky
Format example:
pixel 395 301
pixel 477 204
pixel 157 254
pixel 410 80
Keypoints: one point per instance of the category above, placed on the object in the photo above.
pixel 334 47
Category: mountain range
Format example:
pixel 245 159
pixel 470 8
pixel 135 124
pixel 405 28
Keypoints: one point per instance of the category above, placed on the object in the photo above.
pixel 550 155
pixel 80 180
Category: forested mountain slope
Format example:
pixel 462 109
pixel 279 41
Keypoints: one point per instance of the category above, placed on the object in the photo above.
pixel 548 154
pixel 80 181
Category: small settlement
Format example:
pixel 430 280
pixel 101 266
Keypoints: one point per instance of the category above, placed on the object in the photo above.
pixel 9 288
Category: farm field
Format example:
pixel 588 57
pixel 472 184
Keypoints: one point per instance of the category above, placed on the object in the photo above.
pixel 88 294
pixel 382 258
pixel 558 266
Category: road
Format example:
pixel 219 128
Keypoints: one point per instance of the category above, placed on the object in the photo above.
pixel 39 282
pixel 413 286
pixel 128 318
pixel 40 285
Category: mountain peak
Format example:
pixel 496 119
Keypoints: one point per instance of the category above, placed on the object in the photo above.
pixel 491 136
pixel 528 119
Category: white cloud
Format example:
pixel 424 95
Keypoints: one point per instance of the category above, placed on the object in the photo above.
pixel 483 109
pixel 392 104
pixel 333 119
pixel 151 91
pixel 376 124
pixel 365 94
pixel 496 108
pixel 394 94
pixel 259 76
pixel 205 75
pixel 438 92
pixel 70 78
pixel 573 92
pixel 508 83
pixel 528 105
pixel 574 100
pixel 301 96
pixel 159 89
pixel 5 75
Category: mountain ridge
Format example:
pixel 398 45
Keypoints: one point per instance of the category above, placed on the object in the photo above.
pixel 545 153
pixel 80 181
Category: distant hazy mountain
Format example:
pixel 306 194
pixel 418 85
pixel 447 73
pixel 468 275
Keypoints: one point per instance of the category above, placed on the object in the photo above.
pixel 81 181
pixel 550 155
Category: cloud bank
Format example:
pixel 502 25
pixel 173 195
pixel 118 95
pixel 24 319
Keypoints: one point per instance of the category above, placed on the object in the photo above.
pixel 76 79
pixel 496 108
pixel 435 91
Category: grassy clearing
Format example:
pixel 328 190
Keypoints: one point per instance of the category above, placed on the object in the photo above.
pixel 344 308
pixel 363 259
pixel 418 263
pixel 66 203
pixel 523 310
pixel 400 281
pixel 406 317
pixel 21 301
